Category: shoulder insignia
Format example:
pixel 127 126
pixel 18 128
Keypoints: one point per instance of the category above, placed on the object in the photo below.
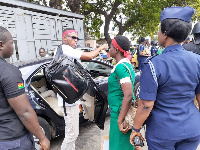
pixel 149 58
pixel 153 71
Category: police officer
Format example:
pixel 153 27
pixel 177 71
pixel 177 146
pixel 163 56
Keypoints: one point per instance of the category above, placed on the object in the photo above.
pixel 194 46
pixel 187 40
pixel 154 49
pixel 17 118
pixel 168 86
pixel 141 57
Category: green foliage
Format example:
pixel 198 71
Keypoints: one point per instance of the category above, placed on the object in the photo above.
pixel 139 17
pixel 93 22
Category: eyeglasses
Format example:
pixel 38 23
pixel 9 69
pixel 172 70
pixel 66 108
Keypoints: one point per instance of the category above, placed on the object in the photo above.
pixel 74 38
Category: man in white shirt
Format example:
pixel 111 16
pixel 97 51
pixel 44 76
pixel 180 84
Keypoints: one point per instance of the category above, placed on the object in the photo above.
pixel 70 39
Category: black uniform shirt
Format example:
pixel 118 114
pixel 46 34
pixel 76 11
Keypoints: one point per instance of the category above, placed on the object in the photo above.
pixel 192 47
pixel 11 85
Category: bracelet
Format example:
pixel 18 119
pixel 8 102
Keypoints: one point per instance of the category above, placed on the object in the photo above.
pixel 136 130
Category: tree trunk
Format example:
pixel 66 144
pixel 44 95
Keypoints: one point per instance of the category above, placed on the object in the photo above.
pixel 74 5
pixel 55 4
pixel 106 29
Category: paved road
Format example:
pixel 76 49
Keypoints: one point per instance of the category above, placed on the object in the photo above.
pixel 90 137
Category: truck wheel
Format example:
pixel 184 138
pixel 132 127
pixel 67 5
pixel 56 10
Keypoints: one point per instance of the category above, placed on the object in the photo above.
pixel 46 129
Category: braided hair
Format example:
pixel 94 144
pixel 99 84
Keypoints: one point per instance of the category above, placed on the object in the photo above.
pixel 123 42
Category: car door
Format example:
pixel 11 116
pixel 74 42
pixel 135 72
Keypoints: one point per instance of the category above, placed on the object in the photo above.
pixel 95 101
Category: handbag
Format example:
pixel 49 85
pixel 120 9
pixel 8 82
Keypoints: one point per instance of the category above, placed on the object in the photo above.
pixel 67 77
pixel 129 118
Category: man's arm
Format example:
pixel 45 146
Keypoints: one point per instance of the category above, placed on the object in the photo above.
pixel 28 117
pixel 93 54
pixel 141 54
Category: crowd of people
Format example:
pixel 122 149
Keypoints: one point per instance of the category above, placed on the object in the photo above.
pixel 169 83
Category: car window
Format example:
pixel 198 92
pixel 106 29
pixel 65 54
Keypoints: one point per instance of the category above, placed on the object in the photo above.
pixel 101 69
pixel 38 75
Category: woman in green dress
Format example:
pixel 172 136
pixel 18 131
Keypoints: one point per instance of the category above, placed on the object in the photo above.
pixel 120 93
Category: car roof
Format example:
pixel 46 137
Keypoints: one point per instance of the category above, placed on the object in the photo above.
pixel 27 67
pixel 25 63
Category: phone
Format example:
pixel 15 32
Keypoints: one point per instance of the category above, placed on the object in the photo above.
pixel 138 142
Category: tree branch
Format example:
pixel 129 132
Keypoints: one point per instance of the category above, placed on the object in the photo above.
pixel 104 13
pixel 116 21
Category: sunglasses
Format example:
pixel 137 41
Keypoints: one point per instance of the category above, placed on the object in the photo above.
pixel 74 38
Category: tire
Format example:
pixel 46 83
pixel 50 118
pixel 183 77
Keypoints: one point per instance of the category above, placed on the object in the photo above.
pixel 46 129
pixel 136 92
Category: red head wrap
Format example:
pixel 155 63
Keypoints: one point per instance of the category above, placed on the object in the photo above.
pixel 68 31
pixel 114 42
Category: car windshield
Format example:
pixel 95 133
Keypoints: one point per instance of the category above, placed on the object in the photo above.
pixel 100 69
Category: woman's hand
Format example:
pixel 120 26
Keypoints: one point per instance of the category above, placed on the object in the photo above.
pixel 121 128
pixel 133 134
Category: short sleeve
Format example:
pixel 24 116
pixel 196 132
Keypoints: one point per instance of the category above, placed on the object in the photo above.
pixel 12 82
pixel 71 52
pixel 141 47
pixel 148 86
pixel 122 73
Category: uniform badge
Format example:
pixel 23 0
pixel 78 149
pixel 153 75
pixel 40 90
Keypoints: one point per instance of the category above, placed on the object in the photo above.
pixel 21 85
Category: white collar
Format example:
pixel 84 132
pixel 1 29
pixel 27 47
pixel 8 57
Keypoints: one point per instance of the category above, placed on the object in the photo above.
pixel 124 60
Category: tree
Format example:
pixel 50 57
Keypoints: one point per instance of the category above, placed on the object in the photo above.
pixel 139 17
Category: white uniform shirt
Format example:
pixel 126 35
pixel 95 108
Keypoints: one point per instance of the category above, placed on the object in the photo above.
pixel 74 54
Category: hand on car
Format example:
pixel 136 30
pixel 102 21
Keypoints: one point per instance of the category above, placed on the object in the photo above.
pixel 45 144
pixel 121 128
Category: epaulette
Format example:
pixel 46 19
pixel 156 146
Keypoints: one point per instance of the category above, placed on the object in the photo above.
pixel 153 71
pixel 149 58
